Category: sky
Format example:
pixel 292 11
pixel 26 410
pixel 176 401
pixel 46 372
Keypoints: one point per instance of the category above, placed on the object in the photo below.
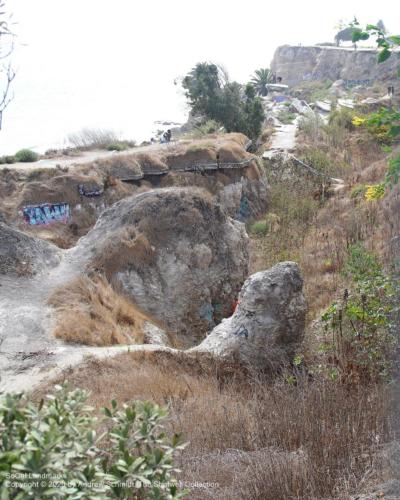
pixel 83 62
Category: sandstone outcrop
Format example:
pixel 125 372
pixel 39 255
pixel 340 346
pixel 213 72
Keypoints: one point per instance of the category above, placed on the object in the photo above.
pixel 219 164
pixel 296 64
pixel 176 253
pixel 268 323
pixel 21 254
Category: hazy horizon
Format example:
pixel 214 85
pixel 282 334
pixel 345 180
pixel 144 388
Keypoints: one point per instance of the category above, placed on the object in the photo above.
pixel 113 65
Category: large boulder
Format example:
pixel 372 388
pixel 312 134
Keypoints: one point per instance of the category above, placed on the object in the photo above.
pixel 268 323
pixel 176 253
pixel 21 254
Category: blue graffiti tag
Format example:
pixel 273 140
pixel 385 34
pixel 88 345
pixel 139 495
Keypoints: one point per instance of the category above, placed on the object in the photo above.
pixel 47 213
pixel 354 83
pixel 207 312
pixel 242 332
pixel 243 212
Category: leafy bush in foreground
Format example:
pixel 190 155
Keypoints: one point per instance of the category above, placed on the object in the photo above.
pixel 26 156
pixel 51 450
pixel 359 325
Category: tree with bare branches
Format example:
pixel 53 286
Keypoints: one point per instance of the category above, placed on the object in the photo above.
pixel 7 73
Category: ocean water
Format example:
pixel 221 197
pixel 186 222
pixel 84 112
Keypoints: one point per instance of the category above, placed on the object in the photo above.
pixel 45 110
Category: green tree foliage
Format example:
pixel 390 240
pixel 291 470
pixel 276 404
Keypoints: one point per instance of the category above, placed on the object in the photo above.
pixel 261 78
pixel 385 43
pixel 237 108
pixel 203 87
pixel 51 450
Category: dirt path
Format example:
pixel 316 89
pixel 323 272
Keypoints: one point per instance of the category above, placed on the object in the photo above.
pixel 28 351
pixel 82 158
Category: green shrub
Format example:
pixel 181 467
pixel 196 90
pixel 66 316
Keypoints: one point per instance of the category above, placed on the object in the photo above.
pixel 8 159
pixel 26 156
pixel 340 123
pixel 259 227
pixel 342 118
pixel 319 160
pixel 56 442
pixel 358 191
pixel 359 324
pixel 312 125
pixel 313 91
pixel 208 127
pixel 117 146
pixel 286 116
pixel 361 265
pixel 321 93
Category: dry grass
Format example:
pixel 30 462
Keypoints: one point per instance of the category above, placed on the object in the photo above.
pixel 90 311
pixel 120 166
pixel 257 439
pixel 127 248
pixel 90 138
pixel 318 232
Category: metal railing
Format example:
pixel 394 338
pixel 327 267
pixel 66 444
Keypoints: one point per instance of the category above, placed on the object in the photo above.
pixel 197 167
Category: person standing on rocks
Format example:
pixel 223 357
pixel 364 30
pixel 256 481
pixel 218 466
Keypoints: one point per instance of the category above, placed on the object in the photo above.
pixel 166 137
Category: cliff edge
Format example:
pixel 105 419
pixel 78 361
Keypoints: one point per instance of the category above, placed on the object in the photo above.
pixel 296 64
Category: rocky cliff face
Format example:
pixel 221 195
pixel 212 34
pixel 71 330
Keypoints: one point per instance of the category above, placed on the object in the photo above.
pixel 175 253
pixel 296 64
pixel 87 189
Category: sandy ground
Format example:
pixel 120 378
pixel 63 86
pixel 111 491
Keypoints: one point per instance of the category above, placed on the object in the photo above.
pixel 28 351
pixel 82 158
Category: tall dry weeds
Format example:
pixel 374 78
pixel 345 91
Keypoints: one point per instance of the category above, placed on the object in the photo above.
pixel 91 312
pixel 254 438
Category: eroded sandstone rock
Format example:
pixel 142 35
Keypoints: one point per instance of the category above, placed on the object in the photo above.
pixel 268 323
pixel 176 253
pixel 21 254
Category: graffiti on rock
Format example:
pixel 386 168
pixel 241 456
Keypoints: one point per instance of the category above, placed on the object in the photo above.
pixel 356 83
pixel 280 98
pixel 242 332
pixel 244 211
pixel 83 191
pixel 47 213
pixel 207 313
pixel 313 76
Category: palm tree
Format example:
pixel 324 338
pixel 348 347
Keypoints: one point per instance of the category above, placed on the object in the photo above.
pixel 260 80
